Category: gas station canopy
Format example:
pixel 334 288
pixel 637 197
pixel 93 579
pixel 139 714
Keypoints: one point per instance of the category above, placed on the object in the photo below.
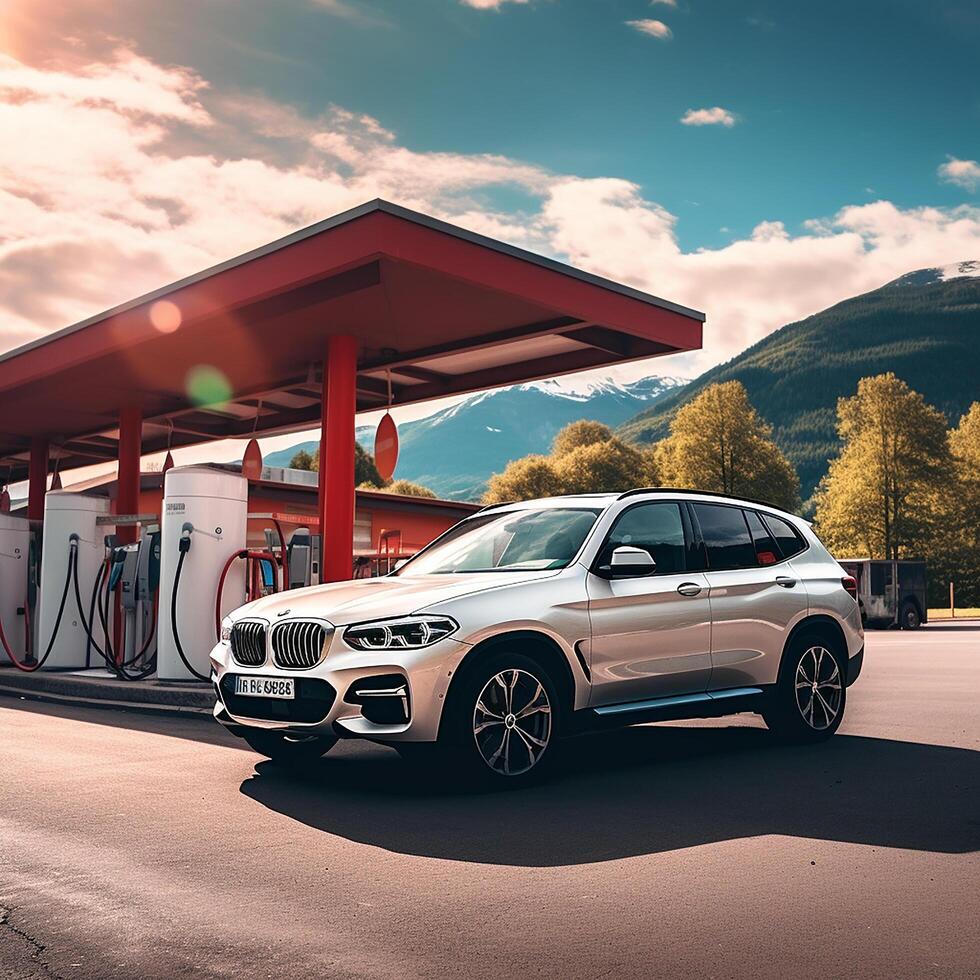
pixel 239 348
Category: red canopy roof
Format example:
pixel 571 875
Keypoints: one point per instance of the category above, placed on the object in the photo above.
pixel 445 311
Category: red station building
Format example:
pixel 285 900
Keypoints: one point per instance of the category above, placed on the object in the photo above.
pixel 305 332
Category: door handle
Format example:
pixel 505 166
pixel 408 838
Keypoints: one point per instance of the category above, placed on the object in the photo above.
pixel 785 581
pixel 689 588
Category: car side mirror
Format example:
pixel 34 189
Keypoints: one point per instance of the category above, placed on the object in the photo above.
pixel 628 562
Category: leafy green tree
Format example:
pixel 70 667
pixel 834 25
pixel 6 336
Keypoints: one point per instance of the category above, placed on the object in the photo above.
pixel 718 442
pixel 585 432
pixel 879 496
pixel 364 469
pixel 304 460
pixel 523 479
pixel 601 467
pixel 408 489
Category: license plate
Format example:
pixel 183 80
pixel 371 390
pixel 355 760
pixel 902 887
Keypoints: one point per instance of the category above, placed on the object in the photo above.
pixel 266 687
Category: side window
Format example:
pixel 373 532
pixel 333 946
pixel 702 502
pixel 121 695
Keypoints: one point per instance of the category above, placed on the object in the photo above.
pixel 766 550
pixel 790 543
pixel 726 537
pixel 657 528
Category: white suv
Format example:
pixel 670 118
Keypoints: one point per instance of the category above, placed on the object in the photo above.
pixel 533 620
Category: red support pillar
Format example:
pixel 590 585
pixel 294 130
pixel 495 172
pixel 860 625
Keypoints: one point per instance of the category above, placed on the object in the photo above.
pixel 338 408
pixel 128 480
pixel 38 479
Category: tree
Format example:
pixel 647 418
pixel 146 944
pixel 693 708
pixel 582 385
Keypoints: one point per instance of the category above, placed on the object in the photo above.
pixel 364 469
pixel 953 549
pixel 718 442
pixel 523 479
pixel 601 467
pixel 879 495
pixel 585 432
pixel 304 460
pixel 408 489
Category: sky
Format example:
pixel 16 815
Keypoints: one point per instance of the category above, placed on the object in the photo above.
pixel 758 161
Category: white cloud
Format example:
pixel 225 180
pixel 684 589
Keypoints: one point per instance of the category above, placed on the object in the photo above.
pixel 488 4
pixel 715 116
pixel 963 173
pixel 655 28
pixel 663 3
pixel 119 177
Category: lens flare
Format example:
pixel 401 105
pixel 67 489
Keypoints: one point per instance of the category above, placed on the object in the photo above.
pixel 165 316
pixel 206 385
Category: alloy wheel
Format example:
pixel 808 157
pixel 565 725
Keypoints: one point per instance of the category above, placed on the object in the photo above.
pixel 512 722
pixel 819 692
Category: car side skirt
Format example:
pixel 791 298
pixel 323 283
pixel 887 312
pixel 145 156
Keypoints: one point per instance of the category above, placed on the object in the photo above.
pixel 703 704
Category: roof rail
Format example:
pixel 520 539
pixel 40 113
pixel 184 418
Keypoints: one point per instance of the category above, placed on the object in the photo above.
pixel 703 493
pixel 503 503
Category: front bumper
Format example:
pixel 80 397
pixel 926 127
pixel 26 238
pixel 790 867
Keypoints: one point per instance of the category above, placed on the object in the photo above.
pixel 322 706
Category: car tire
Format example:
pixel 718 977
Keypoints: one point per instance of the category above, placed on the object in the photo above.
pixel 807 704
pixel 910 618
pixel 289 751
pixel 502 722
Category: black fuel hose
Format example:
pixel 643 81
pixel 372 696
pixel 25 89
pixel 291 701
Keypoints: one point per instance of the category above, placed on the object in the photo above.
pixel 120 670
pixel 91 614
pixel 185 546
pixel 38 664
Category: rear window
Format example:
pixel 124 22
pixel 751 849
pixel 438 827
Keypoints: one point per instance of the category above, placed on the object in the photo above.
pixel 789 541
pixel 726 537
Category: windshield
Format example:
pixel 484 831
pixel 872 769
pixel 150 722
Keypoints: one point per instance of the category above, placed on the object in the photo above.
pixel 514 541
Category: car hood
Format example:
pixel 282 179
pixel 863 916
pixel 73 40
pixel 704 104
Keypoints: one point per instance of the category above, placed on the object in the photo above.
pixel 343 603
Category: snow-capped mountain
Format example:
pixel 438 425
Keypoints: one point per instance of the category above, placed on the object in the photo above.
pixel 969 269
pixel 455 450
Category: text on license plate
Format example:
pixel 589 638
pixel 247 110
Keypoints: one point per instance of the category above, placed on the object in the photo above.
pixel 266 687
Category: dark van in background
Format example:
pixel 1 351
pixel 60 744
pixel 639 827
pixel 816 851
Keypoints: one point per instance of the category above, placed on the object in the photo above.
pixel 891 593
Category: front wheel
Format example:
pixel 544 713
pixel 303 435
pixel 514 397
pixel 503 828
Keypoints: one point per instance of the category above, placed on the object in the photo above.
pixel 910 618
pixel 502 721
pixel 808 702
pixel 292 751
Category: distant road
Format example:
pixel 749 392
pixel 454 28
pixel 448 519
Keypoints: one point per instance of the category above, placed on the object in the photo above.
pixel 155 847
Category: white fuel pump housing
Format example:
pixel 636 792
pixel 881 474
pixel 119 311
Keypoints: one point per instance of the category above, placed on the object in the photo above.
pixel 15 543
pixel 215 504
pixel 67 513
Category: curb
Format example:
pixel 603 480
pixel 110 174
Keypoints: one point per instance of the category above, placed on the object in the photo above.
pixel 111 704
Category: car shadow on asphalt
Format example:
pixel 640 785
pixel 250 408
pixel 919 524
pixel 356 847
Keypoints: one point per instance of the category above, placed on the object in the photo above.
pixel 645 790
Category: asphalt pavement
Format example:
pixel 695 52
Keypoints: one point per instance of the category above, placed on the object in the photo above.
pixel 134 846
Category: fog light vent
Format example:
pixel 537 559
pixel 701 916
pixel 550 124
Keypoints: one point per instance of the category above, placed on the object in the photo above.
pixel 384 699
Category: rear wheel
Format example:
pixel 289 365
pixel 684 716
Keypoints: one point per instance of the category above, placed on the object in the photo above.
pixel 292 751
pixel 910 618
pixel 808 702
pixel 502 721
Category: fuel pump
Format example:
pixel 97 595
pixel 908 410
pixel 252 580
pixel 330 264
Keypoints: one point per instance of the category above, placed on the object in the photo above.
pixel 136 582
pixel 72 545
pixel 301 558
pixel 15 585
pixel 204 525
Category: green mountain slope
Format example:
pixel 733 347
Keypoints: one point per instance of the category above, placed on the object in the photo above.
pixel 924 326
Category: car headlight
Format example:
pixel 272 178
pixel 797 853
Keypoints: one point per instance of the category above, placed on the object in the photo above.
pixel 226 625
pixel 411 633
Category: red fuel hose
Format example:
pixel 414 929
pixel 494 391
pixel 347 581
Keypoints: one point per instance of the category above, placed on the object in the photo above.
pixel 249 556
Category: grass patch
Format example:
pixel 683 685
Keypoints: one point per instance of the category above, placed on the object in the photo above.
pixel 968 613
